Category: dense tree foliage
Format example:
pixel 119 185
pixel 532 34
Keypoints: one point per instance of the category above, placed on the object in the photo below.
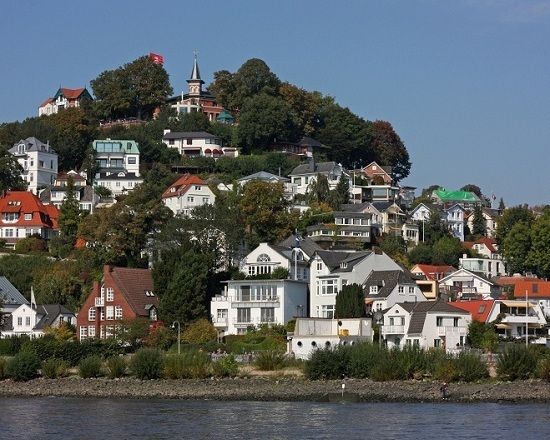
pixel 508 219
pixel 350 302
pixel 479 227
pixel 10 172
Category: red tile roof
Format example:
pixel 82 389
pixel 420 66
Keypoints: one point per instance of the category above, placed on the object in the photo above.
pixel 489 242
pixel 431 271
pixel 72 93
pixel 25 202
pixel 535 288
pixel 181 185
pixel 134 283
pixel 478 308
pixel 46 102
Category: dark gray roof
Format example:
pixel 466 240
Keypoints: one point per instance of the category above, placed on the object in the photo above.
pixel 310 142
pixel 49 313
pixel 264 175
pixel 419 310
pixel 355 207
pixel 86 193
pixel 386 280
pixel 32 144
pixel 334 259
pixel 314 168
pixel 9 294
pixel 382 206
pixel 306 244
pixel 189 135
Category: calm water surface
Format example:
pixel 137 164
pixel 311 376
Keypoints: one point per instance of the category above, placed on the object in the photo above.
pixel 71 418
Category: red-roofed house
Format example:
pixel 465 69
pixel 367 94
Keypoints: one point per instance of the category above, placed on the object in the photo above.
pixel 479 309
pixel 432 272
pixel 536 290
pixel 375 172
pixel 486 247
pixel 187 193
pixel 22 214
pixel 64 98
pixel 123 294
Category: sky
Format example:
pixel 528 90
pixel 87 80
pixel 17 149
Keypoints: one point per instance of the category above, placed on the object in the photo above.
pixel 465 83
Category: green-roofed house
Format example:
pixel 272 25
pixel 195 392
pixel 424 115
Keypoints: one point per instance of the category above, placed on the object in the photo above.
pixel 225 117
pixel 466 199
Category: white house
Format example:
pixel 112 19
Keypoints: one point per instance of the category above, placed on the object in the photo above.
pixel 426 324
pixel 331 270
pixel 39 162
pixel 246 303
pixel 488 267
pixel 490 217
pixel 84 194
pixel 465 284
pixel 32 319
pixel 264 176
pixel 452 216
pixel 311 334
pixel 197 143
pixel 384 288
pixel 187 193
pixel 305 174
pixel 516 315
pixel 349 229
pixel 10 297
pixel 64 98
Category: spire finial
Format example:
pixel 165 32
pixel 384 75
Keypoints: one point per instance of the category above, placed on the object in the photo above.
pixel 195 73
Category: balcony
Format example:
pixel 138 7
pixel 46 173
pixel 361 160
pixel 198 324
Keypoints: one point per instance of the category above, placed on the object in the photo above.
pixel 521 319
pixel 393 329
pixel 220 322
pixel 99 302
pixel 449 330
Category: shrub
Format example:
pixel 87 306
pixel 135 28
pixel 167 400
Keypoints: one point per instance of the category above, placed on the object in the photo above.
pixel 3 374
pixel 470 367
pixel 175 367
pixel 147 363
pixel 543 369
pixel 11 345
pixel 199 332
pixel 53 368
pixel 198 363
pixel 23 366
pixel 116 367
pixel 225 367
pixel 90 367
pixel 328 364
pixel 516 362
pixel 270 360
pixel 30 244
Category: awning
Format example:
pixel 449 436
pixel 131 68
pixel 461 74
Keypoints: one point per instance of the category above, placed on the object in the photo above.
pixel 215 151
pixel 503 326
pixel 369 301
pixel 514 303
pixel 208 151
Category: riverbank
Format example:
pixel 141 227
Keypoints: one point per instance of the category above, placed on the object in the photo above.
pixel 279 389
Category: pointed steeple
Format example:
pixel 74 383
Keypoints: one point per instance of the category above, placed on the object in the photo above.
pixel 195 82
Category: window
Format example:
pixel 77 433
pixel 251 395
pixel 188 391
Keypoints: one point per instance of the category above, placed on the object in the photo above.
pixel 153 314
pixel 197 188
pixel 20 320
pixel 327 311
pixel 319 265
pixel 27 320
pixel 131 161
pixel 110 294
pixel 91 331
pixel 439 321
pixel 328 287
pixel 262 258
pixel 411 289
pixel 110 312
pixel 190 199
pixel 189 141
pixel 373 290
pixel 91 314
pixel 222 314
pixel 243 315
pixel 267 314
pixel 83 332
pixel 437 343
pixel 118 312
pixel 102 315
pixel 401 289
pixel 205 199
pixel 28 216
pixel 455 322
pixel 12 216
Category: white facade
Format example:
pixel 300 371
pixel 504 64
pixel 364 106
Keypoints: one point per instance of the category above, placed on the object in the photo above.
pixel 515 315
pixel 453 217
pixel 186 194
pixel 198 143
pixel 326 281
pixel 27 320
pixel 467 284
pixel 306 174
pixel 264 259
pixel 311 334
pixel 39 163
pixel 440 326
pixel 246 303
pixel 488 267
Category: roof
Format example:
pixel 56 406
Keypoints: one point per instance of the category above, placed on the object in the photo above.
pixel 312 167
pixel 489 243
pixel 25 202
pixel 334 259
pixel 386 281
pixel 134 283
pixel 306 244
pixel 189 135
pixel 478 308
pixel 9 293
pixel 49 313
pixel 456 196
pixel 70 93
pixel 430 270
pixel 106 146
pixel 46 102
pixel 535 288
pixel 195 73
pixel 32 144
pixel 181 185
pixel 263 175
pixel 419 311
pixel 307 141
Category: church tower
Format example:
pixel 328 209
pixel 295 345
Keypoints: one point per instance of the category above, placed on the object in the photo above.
pixel 195 82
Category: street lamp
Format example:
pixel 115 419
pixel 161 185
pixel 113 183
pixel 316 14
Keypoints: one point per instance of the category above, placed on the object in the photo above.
pixel 526 318
pixel 179 334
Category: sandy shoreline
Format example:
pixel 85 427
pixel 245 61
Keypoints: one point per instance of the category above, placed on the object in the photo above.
pixel 279 389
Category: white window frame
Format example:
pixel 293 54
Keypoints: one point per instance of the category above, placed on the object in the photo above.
pixel 110 313
pixel 110 294
pixel 118 312
pixel 91 314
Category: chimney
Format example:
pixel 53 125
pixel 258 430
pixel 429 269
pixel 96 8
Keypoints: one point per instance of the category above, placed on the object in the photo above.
pixel 166 131
pixel 95 287
pixel 110 268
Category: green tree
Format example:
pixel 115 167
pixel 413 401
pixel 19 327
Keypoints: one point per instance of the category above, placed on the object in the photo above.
pixel 10 172
pixel 435 228
pixel 508 219
pixel 390 150
pixel 70 215
pixel 393 245
pixel 473 188
pixel 447 250
pixel 539 254
pixel 350 302
pixel 318 190
pixel 340 195
pixel 421 254
pixel 501 205
pixel 479 227
pixel 517 245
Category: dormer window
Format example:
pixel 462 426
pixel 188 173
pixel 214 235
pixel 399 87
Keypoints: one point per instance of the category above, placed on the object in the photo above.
pixel 343 265
pixel 173 189
pixel 373 290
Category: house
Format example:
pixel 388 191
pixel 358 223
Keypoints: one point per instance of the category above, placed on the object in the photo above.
pixel 253 302
pixel 64 98
pixel 486 247
pixel 331 270
pixel 426 324
pixel 305 174
pixel 117 163
pixel 85 194
pixel 22 214
pixel 10 300
pixel 491 220
pixel 452 215
pixel 373 193
pixel 386 217
pixel 264 176
pixel 122 294
pixel 535 290
pixel 305 147
pixel 349 230
pixel 411 233
pixel 479 309
pixel 487 267
pixel 432 272
pixel 378 174
pixel 515 315
pixel 464 284
pixel 194 143
pixel 384 288
pixel 38 160
pixel 31 319
pixel 466 199
pixel 186 193
pixel 311 334
pixel 196 99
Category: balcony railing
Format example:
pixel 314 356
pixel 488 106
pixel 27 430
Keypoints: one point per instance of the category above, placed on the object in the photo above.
pixel 393 329
pixel 449 330
pixel 99 302
pixel 220 322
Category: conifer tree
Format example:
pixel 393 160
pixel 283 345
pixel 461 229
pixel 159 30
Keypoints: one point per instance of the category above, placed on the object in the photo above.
pixel 479 226
pixel 349 302
pixel 70 214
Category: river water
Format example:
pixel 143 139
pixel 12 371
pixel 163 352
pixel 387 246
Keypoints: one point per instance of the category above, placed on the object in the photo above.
pixel 72 418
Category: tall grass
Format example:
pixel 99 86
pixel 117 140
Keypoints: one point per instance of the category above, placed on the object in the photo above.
pixel 517 362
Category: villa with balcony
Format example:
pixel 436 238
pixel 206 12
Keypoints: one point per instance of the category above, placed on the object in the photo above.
pixel 518 317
